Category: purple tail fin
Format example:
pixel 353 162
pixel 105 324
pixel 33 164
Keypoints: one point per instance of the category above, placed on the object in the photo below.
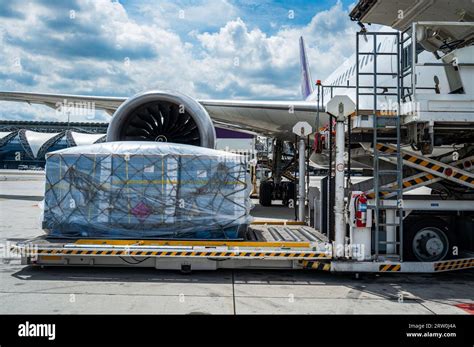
pixel 306 82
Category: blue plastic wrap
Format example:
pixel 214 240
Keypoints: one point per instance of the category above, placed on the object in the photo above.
pixel 146 190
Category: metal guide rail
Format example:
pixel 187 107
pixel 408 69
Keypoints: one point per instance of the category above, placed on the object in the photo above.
pixel 142 249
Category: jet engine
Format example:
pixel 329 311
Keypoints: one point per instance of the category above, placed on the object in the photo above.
pixel 162 116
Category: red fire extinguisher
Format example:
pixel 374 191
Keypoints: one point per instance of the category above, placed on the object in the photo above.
pixel 361 211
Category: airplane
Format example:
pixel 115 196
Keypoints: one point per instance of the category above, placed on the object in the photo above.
pixel 171 116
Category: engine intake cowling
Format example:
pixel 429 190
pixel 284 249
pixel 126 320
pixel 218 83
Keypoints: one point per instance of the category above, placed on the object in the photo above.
pixel 162 116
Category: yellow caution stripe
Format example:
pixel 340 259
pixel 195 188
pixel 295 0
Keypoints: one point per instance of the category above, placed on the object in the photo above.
pixel 432 166
pixel 407 183
pixel 421 179
pixel 190 253
pixel 389 268
pixel 454 264
pixel 316 265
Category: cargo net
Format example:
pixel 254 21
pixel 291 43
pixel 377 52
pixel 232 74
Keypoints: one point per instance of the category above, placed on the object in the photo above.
pixel 146 196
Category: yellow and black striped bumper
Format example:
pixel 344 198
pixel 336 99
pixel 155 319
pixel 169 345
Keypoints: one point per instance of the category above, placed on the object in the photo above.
pixel 390 268
pixel 206 254
pixel 454 264
pixel 316 265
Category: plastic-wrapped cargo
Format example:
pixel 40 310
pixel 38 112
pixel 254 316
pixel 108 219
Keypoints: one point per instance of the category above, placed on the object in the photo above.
pixel 146 190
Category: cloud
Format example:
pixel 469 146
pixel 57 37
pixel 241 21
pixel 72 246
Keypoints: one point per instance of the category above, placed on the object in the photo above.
pixel 103 47
pixel 7 11
pixel 268 65
pixel 184 16
pixel 99 29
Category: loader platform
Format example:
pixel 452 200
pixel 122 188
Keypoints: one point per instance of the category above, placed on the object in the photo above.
pixel 267 246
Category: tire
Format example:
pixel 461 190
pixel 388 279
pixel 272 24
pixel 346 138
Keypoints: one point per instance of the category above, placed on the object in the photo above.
pixel 266 192
pixel 427 239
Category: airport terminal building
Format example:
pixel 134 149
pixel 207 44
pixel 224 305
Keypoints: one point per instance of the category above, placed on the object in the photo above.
pixel 24 144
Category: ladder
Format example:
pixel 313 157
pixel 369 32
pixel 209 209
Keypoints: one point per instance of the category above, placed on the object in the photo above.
pixel 406 65
pixel 386 128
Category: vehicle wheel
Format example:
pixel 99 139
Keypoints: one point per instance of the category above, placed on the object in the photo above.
pixel 266 192
pixel 289 193
pixel 427 239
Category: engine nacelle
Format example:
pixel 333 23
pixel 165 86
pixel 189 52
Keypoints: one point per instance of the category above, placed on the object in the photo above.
pixel 162 116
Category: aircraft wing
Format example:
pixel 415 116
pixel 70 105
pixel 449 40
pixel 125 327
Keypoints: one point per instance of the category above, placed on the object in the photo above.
pixel 106 103
pixel 270 118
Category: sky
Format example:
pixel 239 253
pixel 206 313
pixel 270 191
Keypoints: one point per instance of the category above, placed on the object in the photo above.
pixel 208 49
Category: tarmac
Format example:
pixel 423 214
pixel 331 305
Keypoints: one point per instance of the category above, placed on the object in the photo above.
pixel 62 290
